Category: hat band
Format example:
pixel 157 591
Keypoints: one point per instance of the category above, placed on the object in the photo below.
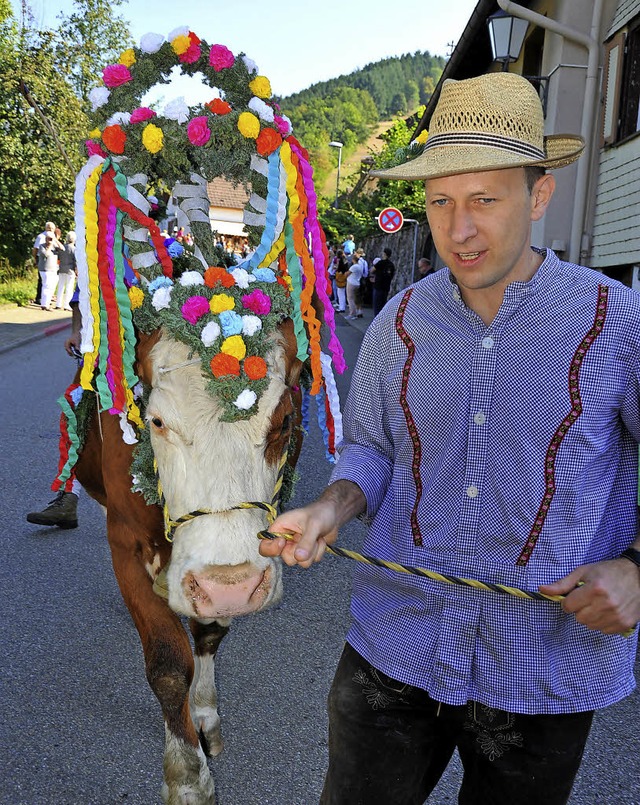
pixel 488 140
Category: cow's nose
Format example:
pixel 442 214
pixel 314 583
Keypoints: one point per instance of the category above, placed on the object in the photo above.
pixel 219 591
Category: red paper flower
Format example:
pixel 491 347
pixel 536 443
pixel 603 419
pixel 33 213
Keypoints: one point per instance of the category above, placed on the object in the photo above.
pixel 257 301
pixel 268 141
pixel 114 138
pixel 220 57
pixel 214 275
pixel 198 130
pixel 194 308
pixel 141 114
pixel 218 106
pixel 222 364
pixel 115 75
pixel 192 53
pixel 94 148
pixel 255 368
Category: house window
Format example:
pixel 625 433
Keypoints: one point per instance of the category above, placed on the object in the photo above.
pixel 621 85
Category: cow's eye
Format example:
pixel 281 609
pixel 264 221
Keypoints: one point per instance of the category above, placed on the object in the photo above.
pixel 157 422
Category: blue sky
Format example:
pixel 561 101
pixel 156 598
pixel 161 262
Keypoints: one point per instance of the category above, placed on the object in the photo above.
pixel 298 43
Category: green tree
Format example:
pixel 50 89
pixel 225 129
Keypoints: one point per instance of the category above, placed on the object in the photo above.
pixel 40 117
pixel 86 40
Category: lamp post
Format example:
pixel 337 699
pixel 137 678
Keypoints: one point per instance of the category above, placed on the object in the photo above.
pixel 507 35
pixel 338 145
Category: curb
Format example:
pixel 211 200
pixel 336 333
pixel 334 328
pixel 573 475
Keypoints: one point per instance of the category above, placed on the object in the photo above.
pixel 51 330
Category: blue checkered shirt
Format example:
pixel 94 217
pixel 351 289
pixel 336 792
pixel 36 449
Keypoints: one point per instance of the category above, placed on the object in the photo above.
pixel 507 454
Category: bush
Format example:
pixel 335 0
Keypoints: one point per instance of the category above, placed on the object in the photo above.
pixel 17 283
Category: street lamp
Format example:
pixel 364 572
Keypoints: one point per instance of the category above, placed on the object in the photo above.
pixel 338 145
pixel 507 35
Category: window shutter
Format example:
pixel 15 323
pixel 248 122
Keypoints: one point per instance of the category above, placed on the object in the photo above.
pixel 612 85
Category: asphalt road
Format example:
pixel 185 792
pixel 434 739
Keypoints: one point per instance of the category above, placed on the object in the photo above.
pixel 78 724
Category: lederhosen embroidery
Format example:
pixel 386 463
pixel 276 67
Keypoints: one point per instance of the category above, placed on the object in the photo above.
pixel 411 425
pixel 567 422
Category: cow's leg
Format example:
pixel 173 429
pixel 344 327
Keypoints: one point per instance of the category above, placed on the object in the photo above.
pixel 169 668
pixel 204 699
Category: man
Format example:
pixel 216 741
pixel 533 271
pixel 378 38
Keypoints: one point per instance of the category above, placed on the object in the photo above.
pixel 62 511
pixel 490 433
pixel 349 246
pixel 424 267
pixel 381 276
pixel 49 229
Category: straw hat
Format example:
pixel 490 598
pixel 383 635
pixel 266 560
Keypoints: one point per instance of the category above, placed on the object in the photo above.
pixel 487 123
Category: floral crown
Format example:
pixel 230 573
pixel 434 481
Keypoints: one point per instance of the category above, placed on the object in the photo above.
pixel 132 277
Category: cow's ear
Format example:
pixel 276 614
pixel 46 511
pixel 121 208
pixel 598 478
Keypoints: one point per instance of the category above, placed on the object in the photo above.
pixel 144 345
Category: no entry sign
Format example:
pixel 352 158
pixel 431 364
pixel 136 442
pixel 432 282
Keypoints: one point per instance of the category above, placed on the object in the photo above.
pixel 390 219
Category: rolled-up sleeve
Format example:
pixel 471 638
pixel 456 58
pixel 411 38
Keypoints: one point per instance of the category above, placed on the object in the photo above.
pixel 366 450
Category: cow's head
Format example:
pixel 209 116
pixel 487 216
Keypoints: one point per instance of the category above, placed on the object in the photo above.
pixel 216 570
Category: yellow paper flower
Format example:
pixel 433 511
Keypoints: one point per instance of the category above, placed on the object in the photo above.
pixel 220 302
pixel 127 57
pixel 289 282
pixel 422 137
pixel 249 125
pixel 152 138
pixel 95 134
pixel 180 44
pixel 234 345
pixel 260 86
pixel 136 297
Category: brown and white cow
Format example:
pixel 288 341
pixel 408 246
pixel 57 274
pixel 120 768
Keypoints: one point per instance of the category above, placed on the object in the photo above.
pixel 214 569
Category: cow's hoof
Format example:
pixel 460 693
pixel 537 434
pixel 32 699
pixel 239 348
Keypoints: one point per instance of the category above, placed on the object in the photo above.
pixel 183 795
pixel 211 741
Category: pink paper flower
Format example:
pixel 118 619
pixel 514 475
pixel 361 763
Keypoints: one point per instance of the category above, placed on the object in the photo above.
pixel 220 57
pixel 94 148
pixel 114 75
pixel 195 308
pixel 141 114
pixel 283 125
pixel 257 301
pixel 198 131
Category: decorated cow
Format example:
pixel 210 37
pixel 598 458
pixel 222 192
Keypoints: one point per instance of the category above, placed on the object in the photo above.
pixel 185 416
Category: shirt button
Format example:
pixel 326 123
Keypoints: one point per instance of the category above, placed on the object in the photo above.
pixel 472 491
pixel 487 342
pixel 456 294
pixel 479 418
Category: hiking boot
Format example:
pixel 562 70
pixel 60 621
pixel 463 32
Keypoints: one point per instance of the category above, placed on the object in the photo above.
pixel 61 511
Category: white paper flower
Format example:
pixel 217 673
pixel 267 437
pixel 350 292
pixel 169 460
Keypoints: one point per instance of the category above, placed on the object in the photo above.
pixel 210 332
pixel 177 110
pixel 245 399
pixel 98 97
pixel 251 325
pixel 119 117
pixel 251 66
pixel 161 298
pixel 191 278
pixel 182 30
pixel 263 111
pixel 241 276
pixel 138 391
pixel 151 43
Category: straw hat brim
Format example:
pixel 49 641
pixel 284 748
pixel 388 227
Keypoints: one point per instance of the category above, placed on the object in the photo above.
pixel 560 150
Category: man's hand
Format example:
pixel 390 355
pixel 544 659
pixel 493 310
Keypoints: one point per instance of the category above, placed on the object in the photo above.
pixel 315 526
pixel 73 342
pixel 604 596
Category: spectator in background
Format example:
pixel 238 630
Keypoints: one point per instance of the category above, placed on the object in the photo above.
pixel 66 273
pixel 424 267
pixel 354 275
pixel 48 268
pixel 342 269
pixel 349 246
pixel 381 275
pixel 37 243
